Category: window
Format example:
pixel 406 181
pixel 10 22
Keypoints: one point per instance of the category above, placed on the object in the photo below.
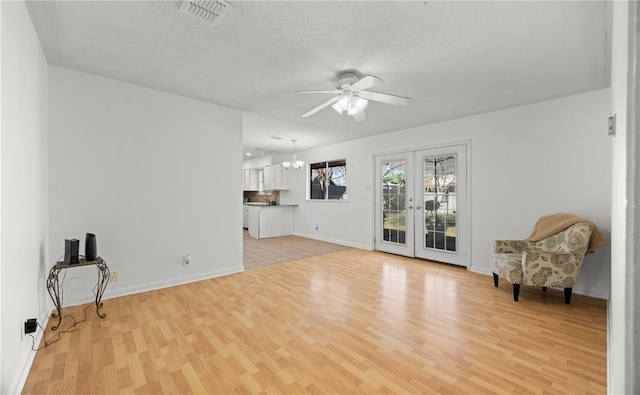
pixel 328 180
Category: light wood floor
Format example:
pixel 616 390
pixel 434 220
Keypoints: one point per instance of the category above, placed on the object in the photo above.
pixel 348 322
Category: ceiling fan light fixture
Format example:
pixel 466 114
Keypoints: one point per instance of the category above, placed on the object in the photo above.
pixel 358 105
pixel 344 103
pixel 353 97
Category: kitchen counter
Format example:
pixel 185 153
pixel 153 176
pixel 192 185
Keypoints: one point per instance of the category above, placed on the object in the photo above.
pixel 270 221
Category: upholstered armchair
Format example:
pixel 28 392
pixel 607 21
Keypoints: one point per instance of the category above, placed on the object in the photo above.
pixel 554 261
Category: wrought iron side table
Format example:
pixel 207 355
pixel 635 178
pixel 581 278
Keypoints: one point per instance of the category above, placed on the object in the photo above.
pixel 54 287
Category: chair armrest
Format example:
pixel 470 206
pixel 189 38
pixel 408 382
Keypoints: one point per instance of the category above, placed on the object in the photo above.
pixel 512 246
pixel 551 269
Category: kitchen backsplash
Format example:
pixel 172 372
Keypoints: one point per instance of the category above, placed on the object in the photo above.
pixel 252 196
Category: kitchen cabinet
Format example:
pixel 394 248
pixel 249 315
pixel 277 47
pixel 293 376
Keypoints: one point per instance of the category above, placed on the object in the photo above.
pixel 268 178
pixel 253 221
pixel 251 179
pixel 276 178
pixel 245 217
pixel 270 221
pixel 246 179
pixel 276 221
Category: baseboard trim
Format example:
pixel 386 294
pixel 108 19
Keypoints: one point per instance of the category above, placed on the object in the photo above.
pixel 115 292
pixel 594 293
pixel 578 289
pixel 481 270
pixel 334 241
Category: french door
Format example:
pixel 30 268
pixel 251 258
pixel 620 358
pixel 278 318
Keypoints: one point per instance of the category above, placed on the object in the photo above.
pixel 421 204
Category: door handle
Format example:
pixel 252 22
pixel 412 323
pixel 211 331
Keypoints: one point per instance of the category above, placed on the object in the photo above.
pixel 418 207
pixel 409 207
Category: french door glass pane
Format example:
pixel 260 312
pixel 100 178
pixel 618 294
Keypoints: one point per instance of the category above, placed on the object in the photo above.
pixel 440 202
pixel 393 201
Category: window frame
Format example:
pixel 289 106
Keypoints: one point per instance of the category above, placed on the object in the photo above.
pixel 326 164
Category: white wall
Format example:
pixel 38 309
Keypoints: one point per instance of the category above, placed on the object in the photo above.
pixel 548 157
pixel 257 162
pixel 616 311
pixel 23 180
pixel 155 176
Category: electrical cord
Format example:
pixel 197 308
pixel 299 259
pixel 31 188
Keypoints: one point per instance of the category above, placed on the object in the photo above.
pixel 57 336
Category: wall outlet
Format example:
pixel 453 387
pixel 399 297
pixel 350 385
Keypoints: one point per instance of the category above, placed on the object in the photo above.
pixel 316 225
pixel 113 277
pixel 186 260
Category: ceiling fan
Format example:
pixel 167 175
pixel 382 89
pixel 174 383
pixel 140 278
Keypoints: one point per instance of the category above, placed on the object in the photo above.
pixel 352 98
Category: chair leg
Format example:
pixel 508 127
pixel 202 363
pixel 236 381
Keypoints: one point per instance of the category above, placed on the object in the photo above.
pixel 495 279
pixel 516 292
pixel 544 289
pixel 567 295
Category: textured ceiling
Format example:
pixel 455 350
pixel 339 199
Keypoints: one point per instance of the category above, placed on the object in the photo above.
pixel 453 59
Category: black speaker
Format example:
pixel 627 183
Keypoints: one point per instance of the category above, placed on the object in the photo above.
pixel 90 248
pixel 71 247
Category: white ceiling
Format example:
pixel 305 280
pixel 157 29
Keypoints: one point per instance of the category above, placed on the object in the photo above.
pixel 453 59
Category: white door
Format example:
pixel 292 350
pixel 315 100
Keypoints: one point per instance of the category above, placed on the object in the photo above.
pixel 394 204
pixel 421 204
pixel 441 228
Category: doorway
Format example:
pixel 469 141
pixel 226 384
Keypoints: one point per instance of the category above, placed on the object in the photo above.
pixel 421 204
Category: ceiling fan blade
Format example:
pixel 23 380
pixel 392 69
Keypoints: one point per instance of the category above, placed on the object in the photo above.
pixel 321 106
pixel 335 91
pixel 385 98
pixel 359 116
pixel 365 82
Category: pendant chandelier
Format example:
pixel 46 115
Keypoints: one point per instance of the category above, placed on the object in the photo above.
pixel 295 163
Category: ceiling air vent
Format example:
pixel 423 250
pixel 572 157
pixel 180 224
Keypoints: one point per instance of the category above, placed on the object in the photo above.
pixel 210 11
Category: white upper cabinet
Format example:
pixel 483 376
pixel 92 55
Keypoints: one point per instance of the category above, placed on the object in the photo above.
pixel 251 179
pixel 276 178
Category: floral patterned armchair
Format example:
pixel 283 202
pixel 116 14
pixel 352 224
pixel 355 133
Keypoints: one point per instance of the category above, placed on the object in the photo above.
pixel 554 261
